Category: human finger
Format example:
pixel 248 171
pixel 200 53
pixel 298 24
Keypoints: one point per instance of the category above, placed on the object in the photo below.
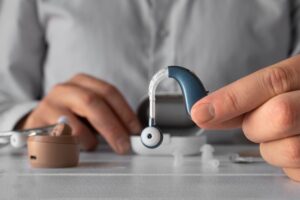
pixel 113 98
pixel 89 105
pixel 247 93
pixel 276 119
pixel 48 114
pixel 283 153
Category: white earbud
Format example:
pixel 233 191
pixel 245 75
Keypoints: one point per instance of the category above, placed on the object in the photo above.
pixel 18 140
pixel 151 137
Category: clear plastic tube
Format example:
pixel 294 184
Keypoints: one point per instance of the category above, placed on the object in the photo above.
pixel 156 79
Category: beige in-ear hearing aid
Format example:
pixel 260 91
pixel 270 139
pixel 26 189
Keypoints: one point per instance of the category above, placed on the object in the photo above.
pixel 57 150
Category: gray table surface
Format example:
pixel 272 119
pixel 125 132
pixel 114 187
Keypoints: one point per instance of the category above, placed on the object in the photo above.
pixel 104 175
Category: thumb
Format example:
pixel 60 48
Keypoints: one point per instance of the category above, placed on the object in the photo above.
pixel 225 107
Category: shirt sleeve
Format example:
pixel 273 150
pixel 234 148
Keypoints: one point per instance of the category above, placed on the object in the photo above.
pixel 22 49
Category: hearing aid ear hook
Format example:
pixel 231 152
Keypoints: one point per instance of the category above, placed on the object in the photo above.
pixel 192 90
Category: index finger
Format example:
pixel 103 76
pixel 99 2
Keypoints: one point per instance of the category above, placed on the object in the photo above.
pixel 228 104
pixel 113 98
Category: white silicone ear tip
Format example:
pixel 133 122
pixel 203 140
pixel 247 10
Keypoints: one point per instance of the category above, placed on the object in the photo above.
pixel 207 148
pixel 18 140
pixel 63 120
pixel 151 137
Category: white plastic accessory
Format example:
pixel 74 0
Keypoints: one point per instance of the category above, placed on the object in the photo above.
pixel 170 146
pixel 207 157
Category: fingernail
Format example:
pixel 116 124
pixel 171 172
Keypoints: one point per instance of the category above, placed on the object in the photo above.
pixel 204 112
pixel 123 145
pixel 135 127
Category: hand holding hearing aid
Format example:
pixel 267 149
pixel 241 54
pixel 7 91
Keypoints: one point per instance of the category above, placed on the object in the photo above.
pixel 101 104
pixel 266 104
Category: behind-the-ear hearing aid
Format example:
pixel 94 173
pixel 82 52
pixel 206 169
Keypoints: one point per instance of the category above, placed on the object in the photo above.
pixel 192 90
pixel 18 139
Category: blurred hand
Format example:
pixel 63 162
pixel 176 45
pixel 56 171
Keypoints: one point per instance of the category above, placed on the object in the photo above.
pixel 266 104
pixel 101 104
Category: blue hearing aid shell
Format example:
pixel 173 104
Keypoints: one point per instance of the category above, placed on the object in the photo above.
pixel 191 86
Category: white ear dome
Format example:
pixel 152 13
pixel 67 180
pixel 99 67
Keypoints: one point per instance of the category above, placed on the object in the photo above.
pixel 18 140
pixel 151 137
